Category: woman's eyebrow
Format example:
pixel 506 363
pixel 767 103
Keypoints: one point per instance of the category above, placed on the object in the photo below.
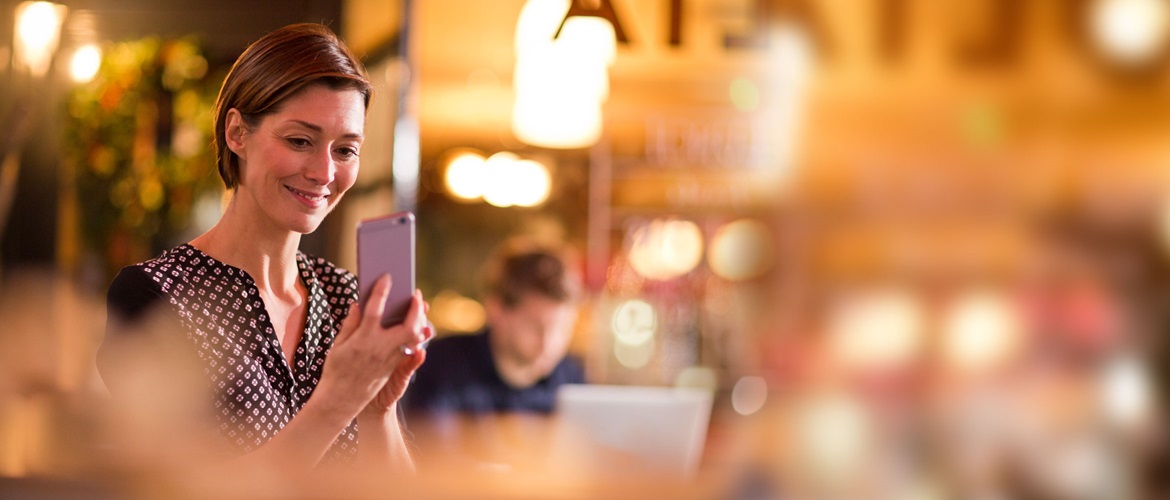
pixel 310 126
pixel 318 129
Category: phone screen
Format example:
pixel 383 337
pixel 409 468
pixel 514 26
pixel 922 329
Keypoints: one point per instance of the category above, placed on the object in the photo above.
pixel 386 246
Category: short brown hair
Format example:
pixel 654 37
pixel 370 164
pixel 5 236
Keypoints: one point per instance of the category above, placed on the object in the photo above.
pixel 273 69
pixel 521 267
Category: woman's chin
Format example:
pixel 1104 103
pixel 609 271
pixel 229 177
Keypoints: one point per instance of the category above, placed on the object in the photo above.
pixel 305 227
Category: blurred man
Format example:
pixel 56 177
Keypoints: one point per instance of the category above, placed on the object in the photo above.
pixel 517 362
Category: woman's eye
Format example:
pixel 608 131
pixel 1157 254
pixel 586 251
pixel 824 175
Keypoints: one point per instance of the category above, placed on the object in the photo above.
pixel 298 142
pixel 347 152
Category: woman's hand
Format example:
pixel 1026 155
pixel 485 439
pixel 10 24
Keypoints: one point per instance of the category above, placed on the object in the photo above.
pixel 416 322
pixel 368 366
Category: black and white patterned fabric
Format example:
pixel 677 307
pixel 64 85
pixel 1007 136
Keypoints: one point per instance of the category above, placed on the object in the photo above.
pixel 219 307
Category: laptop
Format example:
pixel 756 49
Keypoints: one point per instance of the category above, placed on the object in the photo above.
pixel 631 429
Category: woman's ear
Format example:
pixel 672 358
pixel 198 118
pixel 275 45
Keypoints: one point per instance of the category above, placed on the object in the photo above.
pixel 234 132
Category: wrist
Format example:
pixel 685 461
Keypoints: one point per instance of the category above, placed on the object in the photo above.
pixel 328 410
pixel 373 411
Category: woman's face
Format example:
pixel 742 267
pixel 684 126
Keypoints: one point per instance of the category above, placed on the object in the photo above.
pixel 296 164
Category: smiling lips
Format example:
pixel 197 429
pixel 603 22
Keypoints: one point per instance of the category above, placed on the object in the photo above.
pixel 310 199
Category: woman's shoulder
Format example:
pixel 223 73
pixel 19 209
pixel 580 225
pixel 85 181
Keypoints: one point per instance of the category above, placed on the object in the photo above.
pixel 134 291
pixel 137 287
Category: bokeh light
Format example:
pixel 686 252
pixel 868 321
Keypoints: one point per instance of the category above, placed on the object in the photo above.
pixel 531 183
pixel 745 95
pixel 634 322
pixel 833 433
pixel 634 356
pixel 1130 31
pixel 502 180
pixel 465 175
pixel 38 29
pixel 560 83
pixel 85 63
pixel 749 395
pixel 981 330
pixel 878 328
pixel 1128 391
pixel 511 181
pixel 741 250
pixel 666 248
pixel 453 312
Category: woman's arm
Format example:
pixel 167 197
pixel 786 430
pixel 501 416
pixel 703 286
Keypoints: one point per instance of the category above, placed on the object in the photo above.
pixel 383 444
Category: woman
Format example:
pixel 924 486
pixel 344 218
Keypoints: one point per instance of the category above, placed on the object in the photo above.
pixel 296 368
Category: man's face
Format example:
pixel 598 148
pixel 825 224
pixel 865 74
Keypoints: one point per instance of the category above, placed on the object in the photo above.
pixel 536 332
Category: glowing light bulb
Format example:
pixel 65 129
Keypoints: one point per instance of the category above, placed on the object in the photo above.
pixel 532 183
pixel 560 83
pixel 465 175
pixel 1130 31
pixel 38 29
pixel 85 64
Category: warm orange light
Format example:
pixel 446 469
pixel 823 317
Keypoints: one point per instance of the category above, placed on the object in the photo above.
pixel 880 328
pixel 1130 31
pixel 981 330
pixel 560 83
pixel 741 250
pixel 38 29
pixel 511 181
pixel 666 249
pixel 465 175
pixel 451 311
pixel 85 63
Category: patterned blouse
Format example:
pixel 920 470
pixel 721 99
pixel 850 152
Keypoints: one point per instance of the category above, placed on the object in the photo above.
pixel 219 307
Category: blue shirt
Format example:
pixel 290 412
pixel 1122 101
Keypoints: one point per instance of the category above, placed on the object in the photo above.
pixel 459 375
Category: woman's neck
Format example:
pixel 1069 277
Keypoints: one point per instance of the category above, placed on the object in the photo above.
pixel 268 254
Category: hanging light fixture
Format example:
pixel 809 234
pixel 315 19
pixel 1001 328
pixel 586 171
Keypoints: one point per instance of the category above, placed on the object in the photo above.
pixel 1130 32
pixel 560 80
pixel 38 30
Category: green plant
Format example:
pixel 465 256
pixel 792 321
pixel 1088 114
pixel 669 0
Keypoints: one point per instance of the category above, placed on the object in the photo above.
pixel 138 140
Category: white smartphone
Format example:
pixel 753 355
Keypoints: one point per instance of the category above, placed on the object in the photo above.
pixel 386 246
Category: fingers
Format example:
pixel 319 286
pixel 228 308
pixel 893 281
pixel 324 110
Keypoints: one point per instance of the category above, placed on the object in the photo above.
pixel 409 364
pixel 376 303
pixel 403 338
pixel 415 312
pixel 416 319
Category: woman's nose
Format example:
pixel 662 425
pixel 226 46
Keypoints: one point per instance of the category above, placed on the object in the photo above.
pixel 321 169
